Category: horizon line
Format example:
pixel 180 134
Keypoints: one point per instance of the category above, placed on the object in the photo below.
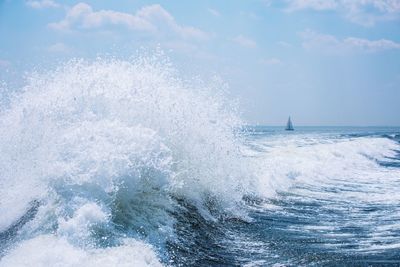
pixel 282 125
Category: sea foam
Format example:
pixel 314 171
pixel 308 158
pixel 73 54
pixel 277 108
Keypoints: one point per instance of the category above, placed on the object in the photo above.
pixel 104 148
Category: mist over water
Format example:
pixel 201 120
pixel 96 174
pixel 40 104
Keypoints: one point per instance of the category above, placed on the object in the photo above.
pixel 124 163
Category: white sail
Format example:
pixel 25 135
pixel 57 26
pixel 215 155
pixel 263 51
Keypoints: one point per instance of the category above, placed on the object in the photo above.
pixel 289 125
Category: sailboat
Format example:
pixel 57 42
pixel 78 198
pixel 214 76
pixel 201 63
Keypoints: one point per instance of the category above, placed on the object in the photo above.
pixel 289 125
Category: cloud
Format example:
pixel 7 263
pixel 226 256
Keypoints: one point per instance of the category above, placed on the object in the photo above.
pixel 367 45
pixel 369 12
pixel 245 41
pixel 214 12
pixel 326 42
pixel 82 16
pixel 42 4
pixel 152 19
pixel 312 40
pixel 363 12
pixel 162 20
pixel 312 4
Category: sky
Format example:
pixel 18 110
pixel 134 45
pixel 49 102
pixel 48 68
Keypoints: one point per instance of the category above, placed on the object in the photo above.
pixel 324 62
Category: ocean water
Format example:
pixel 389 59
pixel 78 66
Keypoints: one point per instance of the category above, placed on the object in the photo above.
pixel 125 163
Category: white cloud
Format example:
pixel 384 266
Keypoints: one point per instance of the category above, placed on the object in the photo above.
pixel 314 40
pixel 312 4
pixel 82 16
pixel 152 19
pixel 367 45
pixel 364 12
pixel 271 61
pixel 42 4
pixel 244 41
pixel 214 12
pixel 164 21
pixel 368 12
pixel 59 48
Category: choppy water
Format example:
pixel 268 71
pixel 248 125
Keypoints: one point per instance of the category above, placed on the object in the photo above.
pixel 113 163
pixel 338 203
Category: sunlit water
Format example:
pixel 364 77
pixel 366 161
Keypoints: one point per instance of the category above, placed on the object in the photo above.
pixel 116 163
pixel 341 206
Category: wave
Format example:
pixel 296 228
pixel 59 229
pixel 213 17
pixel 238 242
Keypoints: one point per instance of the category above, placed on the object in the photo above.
pixel 318 167
pixel 105 148
pixel 111 162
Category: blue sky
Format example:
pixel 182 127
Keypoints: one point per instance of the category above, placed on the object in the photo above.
pixel 324 62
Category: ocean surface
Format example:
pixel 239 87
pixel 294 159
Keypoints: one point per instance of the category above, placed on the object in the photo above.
pixel 125 163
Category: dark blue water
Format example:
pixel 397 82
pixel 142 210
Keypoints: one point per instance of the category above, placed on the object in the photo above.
pixel 117 163
pixel 326 196
pixel 337 203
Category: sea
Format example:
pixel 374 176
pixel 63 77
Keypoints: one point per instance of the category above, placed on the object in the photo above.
pixel 125 163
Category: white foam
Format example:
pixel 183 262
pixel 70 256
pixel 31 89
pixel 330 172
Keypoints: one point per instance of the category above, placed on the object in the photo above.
pixel 346 177
pixel 78 227
pixel 48 250
pixel 341 164
pixel 106 141
pixel 113 140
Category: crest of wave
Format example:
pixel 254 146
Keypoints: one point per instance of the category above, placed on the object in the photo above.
pixel 121 137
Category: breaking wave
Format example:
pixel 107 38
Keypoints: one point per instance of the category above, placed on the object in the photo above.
pixel 96 154
pixel 111 162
